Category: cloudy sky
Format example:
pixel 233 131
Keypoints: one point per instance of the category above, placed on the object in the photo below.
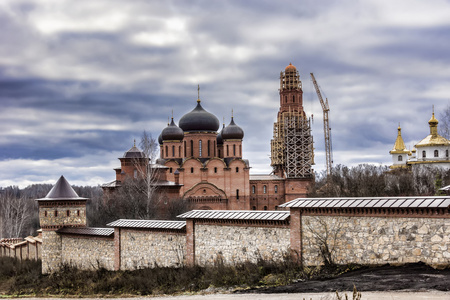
pixel 80 80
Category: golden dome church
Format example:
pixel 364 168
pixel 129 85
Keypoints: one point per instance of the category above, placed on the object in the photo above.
pixel 433 150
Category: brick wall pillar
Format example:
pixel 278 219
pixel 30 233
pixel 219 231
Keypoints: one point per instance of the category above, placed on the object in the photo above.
pixel 117 249
pixel 296 234
pixel 190 242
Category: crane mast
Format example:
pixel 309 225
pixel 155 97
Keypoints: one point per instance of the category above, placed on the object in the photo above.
pixel 326 126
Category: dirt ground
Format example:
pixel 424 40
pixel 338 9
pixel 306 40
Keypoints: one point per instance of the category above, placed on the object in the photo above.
pixel 411 277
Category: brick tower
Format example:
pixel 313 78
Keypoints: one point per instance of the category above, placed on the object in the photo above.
pixel 62 207
pixel 292 143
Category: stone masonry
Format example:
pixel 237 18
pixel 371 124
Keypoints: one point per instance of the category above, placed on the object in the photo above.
pixel 88 253
pixel 235 244
pixel 377 240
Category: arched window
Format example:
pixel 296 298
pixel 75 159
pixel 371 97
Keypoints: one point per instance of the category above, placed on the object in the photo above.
pixel 276 189
pixel 219 152
pixel 436 153
pixel 240 150
pixel 179 151
pixel 237 194
pixel 265 207
pixel 424 154
pixel 173 151
pixel 237 169
pixel 254 207
pixel 68 213
pixel 170 170
pixel 253 189
pixel 192 170
pixel 214 154
pixel 293 98
pixel 234 150
pixel 264 189
pixel 446 153
pixel 215 169
pixel 185 149
pixel 192 148
pixel 200 148
pixel 400 158
pixel 167 151
pixel 209 148
pixel 135 173
pixel 228 152
pixel 56 213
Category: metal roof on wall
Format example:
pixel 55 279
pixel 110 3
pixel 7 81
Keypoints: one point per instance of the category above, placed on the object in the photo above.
pixel 236 215
pixel 148 224
pixel 87 231
pixel 371 202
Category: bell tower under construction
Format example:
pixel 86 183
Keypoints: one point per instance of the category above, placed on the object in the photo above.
pixel 292 154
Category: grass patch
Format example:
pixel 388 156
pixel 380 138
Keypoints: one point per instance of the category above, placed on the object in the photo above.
pixel 24 278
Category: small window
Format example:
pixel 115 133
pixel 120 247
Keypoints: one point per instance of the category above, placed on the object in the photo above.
pixel 215 169
pixel 424 154
pixel 237 194
pixel 167 151
pixel 400 158
pixel 264 189
pixel 234 150
pixel 56 213
pixel 200 148
pixel 436 153
pixel 170 170
pixel 192 148
pixel 78 213
pixel 293 98
pixel 265 207
pixel 254 207
pixel 237 169
pixel 173 151
pixel 209 148
pixel 253 189
pixel 45 213
pixel 446 153
pixel 135 173
pixel 192 170
pixel 276 189
pixel 68 213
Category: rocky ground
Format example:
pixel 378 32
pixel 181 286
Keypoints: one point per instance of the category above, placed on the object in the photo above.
pixel 411 277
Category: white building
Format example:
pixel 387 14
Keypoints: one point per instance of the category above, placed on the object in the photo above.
pixel 433 150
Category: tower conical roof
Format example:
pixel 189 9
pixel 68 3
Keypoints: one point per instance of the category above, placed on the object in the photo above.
pixel 62 191
pixel 399 146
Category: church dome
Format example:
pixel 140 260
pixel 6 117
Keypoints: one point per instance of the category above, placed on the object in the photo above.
pixel 232 132
pixel 219 138
pixel 172 133
pixel 160 139
pixel 290 68
pixel 134 152
pixel 199 120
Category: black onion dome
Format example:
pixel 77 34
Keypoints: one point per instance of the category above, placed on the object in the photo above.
pixel 232 132
pixel 134 152
pixel 172 133
pixel 219 138
pixel 199 120
pixel 160 139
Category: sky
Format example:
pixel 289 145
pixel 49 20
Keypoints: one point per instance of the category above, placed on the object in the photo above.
pixel 81 80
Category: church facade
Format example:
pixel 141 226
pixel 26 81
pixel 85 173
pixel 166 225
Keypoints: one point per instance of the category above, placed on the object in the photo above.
pixel 433 150
pixel 204 163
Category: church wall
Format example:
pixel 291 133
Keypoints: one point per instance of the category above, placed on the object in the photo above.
pixel 145 248
pixel 269 200
pixel 378 240
pixel 237 244
pixel 87 252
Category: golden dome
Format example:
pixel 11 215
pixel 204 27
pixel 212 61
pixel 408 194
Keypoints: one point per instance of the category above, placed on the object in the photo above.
pixel 290 68
pixel 399 146
pixel 433 139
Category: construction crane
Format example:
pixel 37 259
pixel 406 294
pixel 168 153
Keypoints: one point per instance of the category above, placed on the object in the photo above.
pixel 326 127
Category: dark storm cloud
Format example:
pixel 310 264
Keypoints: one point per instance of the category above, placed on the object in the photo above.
pixel 79 81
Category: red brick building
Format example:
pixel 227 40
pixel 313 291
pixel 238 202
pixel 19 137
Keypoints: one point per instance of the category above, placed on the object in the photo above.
pixel 205 167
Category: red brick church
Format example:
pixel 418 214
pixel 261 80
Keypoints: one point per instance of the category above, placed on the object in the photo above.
pixel 202 165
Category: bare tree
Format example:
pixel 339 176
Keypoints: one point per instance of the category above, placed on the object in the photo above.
pixel 16 212
pixel 444 122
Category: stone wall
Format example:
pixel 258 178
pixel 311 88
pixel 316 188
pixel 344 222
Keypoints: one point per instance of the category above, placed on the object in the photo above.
pixel 235 244
pixel 145 248
pixel 88 252
pixel 377 240
pixel 51 251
